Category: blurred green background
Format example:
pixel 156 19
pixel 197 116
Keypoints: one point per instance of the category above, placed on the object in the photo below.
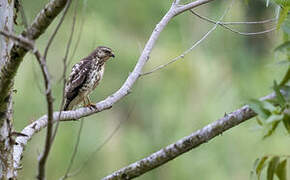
pixel 218 76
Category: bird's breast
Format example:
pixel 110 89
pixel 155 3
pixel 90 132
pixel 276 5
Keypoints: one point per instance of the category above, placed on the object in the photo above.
pixel 97 76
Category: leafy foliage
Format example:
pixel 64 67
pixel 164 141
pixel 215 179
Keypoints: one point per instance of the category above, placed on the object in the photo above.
pixel 277 111
pixel 284 21
pixel 276 167
pixel 274 112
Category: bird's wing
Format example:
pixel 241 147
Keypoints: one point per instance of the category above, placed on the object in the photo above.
pixel 76 79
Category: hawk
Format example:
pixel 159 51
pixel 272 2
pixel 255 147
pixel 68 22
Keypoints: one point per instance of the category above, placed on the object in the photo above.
pixel 85 76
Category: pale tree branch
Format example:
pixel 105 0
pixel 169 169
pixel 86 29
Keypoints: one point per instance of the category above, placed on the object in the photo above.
pixel 31 129
pixel 187 143
pixel 181 8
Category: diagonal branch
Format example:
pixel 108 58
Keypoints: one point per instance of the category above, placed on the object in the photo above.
pixel 186 144
pixel 31 129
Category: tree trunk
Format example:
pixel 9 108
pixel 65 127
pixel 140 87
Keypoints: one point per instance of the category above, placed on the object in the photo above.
pixel 6 110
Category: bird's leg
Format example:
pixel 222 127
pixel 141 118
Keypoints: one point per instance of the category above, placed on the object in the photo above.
pixel 90 105
pixel 84 102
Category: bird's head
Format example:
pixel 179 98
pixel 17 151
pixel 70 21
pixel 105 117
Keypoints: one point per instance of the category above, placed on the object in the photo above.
pixel 103 53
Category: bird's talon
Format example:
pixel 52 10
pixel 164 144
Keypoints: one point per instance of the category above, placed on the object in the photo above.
pixel 92 106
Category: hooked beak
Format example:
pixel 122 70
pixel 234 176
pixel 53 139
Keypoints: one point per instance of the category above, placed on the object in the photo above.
pixel 112 55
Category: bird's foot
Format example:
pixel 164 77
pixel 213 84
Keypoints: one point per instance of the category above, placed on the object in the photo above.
pixel 92 106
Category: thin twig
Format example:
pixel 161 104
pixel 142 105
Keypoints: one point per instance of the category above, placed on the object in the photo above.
pixel 65 69
pixel 251 22
pixel 234 23
pixel 66 175
pixel 57 28
pixel 223 24
pixel 190 49
pixel 23 16
pixel 82 22
pixel 36 79
pixel 43 157
pixel 26 43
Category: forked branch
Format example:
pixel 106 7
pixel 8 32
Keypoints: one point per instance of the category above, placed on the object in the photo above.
pixel 118 95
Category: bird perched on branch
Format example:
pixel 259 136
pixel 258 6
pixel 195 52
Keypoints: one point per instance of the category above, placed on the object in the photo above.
pixel 85 76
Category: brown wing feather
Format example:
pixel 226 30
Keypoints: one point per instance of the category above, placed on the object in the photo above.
pixel 76 80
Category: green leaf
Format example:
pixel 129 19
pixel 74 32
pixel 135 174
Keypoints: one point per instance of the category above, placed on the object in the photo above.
pixel 272 167
pixel 279 96
pixel 259 121
pixel 286 77
pixel 281 170
pixel 286 123
pixel 283 16
pixel 274 118
pixel 283 47
pixel 257 106
pixel 272 129
pixel 259 165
